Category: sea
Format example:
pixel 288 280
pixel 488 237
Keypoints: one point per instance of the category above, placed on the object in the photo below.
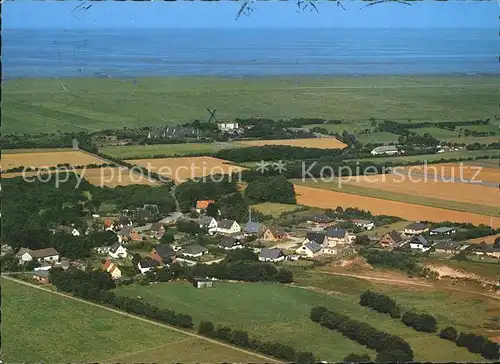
pixel 247 52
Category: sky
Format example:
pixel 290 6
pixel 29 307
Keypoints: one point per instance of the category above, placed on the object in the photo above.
pixel 273 14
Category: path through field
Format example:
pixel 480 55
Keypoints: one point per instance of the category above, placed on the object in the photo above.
pixel 266 358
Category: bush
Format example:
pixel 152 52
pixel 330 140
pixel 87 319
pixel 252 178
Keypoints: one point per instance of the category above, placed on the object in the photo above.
pixel 420 322
pixel 357 358
pixel 305 358
pixel 396 312
pixel 393 356
pixel 448 333
pixel 240 338
pixel 378 302
pixel 479 344
pixel 206 328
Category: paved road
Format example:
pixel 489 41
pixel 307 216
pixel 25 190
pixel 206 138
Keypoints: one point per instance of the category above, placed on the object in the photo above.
pixel 188 333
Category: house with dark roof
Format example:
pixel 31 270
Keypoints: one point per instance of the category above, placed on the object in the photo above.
pixel 449 247
pixel 337 236
pixel 123 221
pixel 230 243
pixel 309 249
pixel 274 234
pixel 271 255
pixel 321 220
pixel 156 230
pixel 318 237
pixel 485 249
pixel 253 229
pixel 27 255
pixel 163 254
pixel 117 251
pixel 416 228
pixel 194 251
pixel 443 230
pixel 228 227
pixel 390 239
pixel 420 243
pixel 208 223
pixel 147 265
pixel 129 233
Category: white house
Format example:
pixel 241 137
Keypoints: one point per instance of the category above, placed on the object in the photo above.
pixel 309 249
pixel 385 149
pixel 227 126
pixel 228 227
pixel 194 251
pixel 44 266
pixel 365 224
pixel 271 255
pixel 209 223
pixel 415 228
pixel 27 255
pixel 147 265
pixel 102 249
pixel 329 250
pixel 117 251
pixel 420 243
pixel 230 243
pixel 337 236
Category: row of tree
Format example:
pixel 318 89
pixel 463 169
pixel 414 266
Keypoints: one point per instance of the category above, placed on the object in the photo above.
pixel 393 259
pixel 390 347
pixel 242 339
pixel 62 166
pixel 474 343
pixel 380 302
pixel 95 286
pixel 275 152
pixel 420 321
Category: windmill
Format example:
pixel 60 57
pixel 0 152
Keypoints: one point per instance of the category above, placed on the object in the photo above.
pixel 212 115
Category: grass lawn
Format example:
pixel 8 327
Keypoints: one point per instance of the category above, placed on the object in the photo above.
pixel 40 326
pixel 281 313
pixel 400 197
pixel 145 151
pixel 96 104
pixel 381 230
pixel 274 209
pixel 378 137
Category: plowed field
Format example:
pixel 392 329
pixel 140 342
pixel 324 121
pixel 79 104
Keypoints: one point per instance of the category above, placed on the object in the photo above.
pixel 321 143
pixel 48 159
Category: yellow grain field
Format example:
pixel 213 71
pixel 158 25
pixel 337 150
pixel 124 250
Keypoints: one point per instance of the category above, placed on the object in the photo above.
pixel 320 143
pixel 315 197
pixel 109 176
pixel 429 187
pixel 182 169
pixel 48 159
pixel 458 171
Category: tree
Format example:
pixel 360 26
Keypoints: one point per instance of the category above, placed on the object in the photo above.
pixel 284 276
pixel 271 189
pixel 448 333
pixel 305 358
pixel 357 358
pixel 240 338
pixel 31 265
pixel 393 356
pixel 496 244
pixel 317 313
pixel 362 240
pixel 168 237
pixel 206 328
pixel 213 210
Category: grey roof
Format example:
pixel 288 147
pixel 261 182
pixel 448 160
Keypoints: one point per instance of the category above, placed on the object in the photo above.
pixel 396 236
pixel 385 148
pixel 124 220
pixel 194 249
pixel 277 231
pixel 41 273
pixel 165 251
pixel 148 263
pixel 270 253
pixel 229 242
pixel 448 245
pixel 113 248
pixel 419 239
pixel 39 253
pixel 314 247
pixel 316 236
pixel 416 226
pixel 443 229
pixel 253 227
pixel 205 220
pixel 335 232
pixel 225 224
pixel 157 226
pixel 490 249
pixel 126 230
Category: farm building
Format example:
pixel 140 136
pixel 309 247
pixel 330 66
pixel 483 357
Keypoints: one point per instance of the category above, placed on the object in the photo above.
pixel 227 126
pixel 47 254
pixel 420 243
pixel 449 247
pixel 385 149
pixel 202 283
pixel 443 230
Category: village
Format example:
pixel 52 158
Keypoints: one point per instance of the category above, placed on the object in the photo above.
pixel 139 248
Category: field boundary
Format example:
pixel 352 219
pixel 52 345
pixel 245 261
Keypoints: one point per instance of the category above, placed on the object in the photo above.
pixel 126 314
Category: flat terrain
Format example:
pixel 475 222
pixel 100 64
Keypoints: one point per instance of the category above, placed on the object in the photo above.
pixel 34 321
pixel 434 157
pixel 167 150
pixel 320 143
pixel 487 239
pixel 428 187
pixel 182 169
pixel 276 312
pixel 48 159
pixel 109 176
pixel 274 209
pixel 323 198
pixel 474 171
pixel 95 104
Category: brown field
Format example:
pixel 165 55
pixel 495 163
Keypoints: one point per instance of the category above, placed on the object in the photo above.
pixel 487 239
pixel 48 159
pixel 451 191
pixel 321 143
pixel 459 171
pixel 309 196
pixel 109 177
pixel 182 169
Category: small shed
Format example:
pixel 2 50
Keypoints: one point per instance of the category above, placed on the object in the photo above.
pixel 202 282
